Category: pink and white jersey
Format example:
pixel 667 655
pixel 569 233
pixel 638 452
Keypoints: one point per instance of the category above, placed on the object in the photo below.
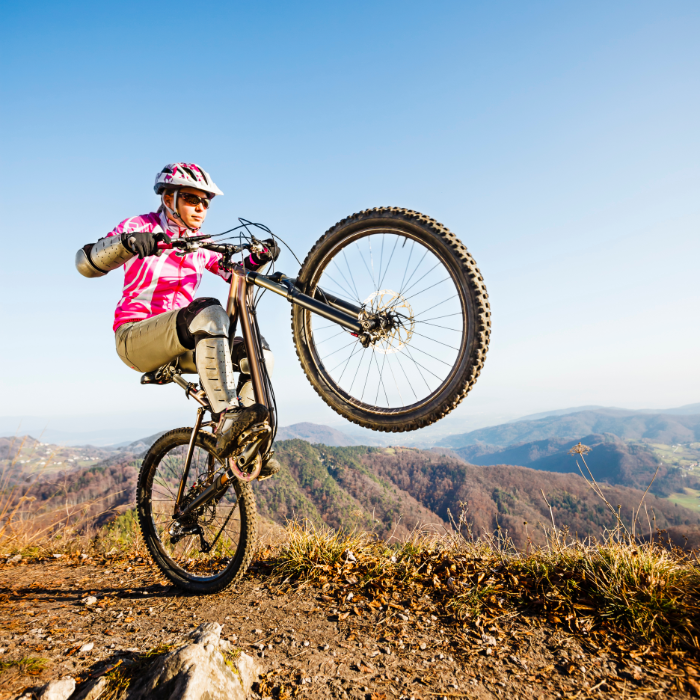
pixel 162 283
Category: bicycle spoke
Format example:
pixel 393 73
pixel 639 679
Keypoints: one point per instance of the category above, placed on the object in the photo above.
pixel 432 357
pixel 367 268
pixel 437 318
pixel 437 325
pixel 339 349
pixel 417 364
pixel 367 377
pixel 401 291
pixel 344 293
pixel 408 262
pixel 407 379
pixel 404 292
pixel 398 388
pixel 356 298
pixel 444 301
pixel 362 357
pixel 371 259
pixel 381 382
pixel 432 340
pixel 350 274
pixel 342 361
pixel 388 265
pixel 331 337
pixel 427 288
pixel 348 362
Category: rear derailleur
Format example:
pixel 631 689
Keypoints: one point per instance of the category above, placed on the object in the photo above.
pixel 179 530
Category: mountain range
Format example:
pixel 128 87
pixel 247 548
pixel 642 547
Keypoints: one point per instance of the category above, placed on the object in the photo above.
pixel 611 460
pixel 666 428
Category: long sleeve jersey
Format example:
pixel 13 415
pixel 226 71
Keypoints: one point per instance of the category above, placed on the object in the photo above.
pixel 162 283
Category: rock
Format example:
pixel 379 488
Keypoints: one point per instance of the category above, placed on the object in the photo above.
pixel 57 690
pixel 15 559
pixel 90 600
pixel 86 648
pixel 92 690
pixel 57 556
pixel 198 671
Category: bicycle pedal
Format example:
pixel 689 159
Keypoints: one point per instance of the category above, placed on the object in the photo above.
pixel 152 378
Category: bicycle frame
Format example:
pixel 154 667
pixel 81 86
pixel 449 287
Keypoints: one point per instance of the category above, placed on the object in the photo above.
pixel 239 308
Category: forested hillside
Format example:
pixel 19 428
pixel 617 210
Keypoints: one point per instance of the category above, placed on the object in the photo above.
pixel 391 491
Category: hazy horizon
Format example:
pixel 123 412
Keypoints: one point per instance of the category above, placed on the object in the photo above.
pixel 103 432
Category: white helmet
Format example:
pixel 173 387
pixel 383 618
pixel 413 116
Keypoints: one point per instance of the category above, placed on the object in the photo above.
pixel 185 175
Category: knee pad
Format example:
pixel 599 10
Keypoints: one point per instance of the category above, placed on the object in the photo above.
pixel 204 317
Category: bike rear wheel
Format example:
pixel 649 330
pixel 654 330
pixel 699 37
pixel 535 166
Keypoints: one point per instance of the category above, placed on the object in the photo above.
pixel 214 547
pixel 418 274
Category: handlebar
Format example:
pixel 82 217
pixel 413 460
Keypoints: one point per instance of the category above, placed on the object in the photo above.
pixel 192 244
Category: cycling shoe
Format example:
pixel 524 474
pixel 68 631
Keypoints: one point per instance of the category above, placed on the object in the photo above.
pixel 233 422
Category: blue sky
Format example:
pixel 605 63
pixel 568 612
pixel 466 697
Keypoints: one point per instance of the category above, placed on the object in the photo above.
pixel 560 141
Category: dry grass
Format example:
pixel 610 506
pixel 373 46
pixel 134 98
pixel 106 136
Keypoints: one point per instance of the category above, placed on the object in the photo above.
pixel 27 666
pixel 647 594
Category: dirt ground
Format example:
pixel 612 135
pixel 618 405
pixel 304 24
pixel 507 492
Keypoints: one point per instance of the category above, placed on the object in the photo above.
pixel 310 647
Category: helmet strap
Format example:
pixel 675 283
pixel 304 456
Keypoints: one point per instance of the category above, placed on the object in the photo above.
pixel 173 212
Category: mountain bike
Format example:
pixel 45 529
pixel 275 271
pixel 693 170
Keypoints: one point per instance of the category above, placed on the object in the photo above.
pixel 391 324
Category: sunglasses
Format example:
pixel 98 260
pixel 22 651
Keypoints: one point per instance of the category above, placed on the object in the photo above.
pixel 193 200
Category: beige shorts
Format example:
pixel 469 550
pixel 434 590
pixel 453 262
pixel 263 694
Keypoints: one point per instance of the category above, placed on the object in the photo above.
pixel 149 344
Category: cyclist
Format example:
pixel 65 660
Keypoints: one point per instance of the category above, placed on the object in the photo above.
pixel 158 319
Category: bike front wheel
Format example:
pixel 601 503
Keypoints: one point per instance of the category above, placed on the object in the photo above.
pixel 417 276
pixel 211 549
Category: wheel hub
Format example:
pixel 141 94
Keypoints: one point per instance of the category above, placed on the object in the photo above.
pixel 389 320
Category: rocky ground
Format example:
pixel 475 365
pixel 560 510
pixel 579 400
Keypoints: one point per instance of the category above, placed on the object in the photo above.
pixel 83 619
